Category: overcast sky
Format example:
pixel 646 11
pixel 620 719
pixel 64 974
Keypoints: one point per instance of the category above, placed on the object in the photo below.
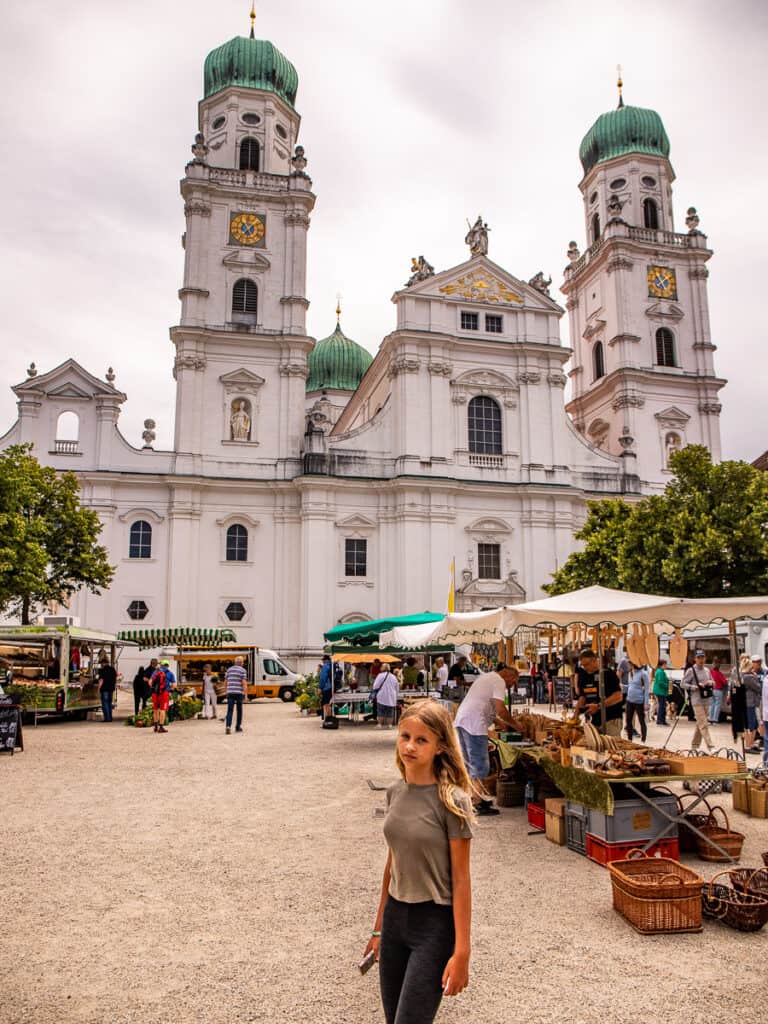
pixel 415 116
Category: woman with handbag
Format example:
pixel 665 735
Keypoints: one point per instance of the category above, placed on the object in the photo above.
pixel 421 935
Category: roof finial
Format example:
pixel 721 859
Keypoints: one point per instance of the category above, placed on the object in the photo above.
pixel 620 84
pixel 253 18
pixel 338 309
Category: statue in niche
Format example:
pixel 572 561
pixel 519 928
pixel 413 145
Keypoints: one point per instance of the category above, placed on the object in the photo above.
pixel 673 444
pixel 240 421
pixel 477 238
pixel 614 207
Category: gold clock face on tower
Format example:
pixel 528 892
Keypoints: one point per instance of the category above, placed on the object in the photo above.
pixel 247 228
pixel 662 283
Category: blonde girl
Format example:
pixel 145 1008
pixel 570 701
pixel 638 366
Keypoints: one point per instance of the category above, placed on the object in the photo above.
pixel 422 928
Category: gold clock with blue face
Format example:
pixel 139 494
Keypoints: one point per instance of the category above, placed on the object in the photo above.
pixel 662 283
pixel 247 228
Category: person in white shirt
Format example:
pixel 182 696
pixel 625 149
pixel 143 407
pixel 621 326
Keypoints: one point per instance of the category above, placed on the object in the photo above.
pixel 477 712
pixel 441 674
pixel 209 692
pixel 386 691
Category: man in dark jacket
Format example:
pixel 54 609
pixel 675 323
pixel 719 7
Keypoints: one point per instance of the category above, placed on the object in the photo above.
pixel 107 685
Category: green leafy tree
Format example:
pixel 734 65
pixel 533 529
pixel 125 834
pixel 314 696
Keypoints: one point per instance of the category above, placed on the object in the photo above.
pixel 48 546
pixel 705 536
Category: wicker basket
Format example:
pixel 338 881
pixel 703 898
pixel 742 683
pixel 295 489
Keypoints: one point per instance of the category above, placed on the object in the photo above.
pixel 689 840
pixel 510 793
pixel 730 842
pixel 750 880
pixel 765 858
pixel 657 895
pixel 737 909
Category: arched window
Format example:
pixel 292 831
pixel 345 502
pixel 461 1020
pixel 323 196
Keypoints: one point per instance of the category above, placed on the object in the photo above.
pixel 237 543
pixel 244 296
pixel 595 227
pixel 650 214
pixel 140 542
pixel 484 422
pixel 665 347
pixel 249 155
pixel 67 434
pixel 598 360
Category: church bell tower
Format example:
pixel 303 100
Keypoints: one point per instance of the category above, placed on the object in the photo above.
pixel 642 372
pixel 241 343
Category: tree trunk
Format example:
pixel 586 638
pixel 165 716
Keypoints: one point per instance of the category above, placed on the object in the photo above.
pixel 25 611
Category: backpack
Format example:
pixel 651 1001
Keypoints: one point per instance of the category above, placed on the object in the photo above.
pixel 159 681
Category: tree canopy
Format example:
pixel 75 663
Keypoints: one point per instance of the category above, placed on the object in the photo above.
pixel 48 546
pixel 705 536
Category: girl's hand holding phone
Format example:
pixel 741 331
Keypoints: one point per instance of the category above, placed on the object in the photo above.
pixel 456 975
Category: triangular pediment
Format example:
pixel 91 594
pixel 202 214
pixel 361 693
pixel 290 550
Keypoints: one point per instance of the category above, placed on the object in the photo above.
pixel 69 380
pixel 242 377
pixel 487 379
pixel 672 415
pixel 664 311
pixel 480 280
pixel 355 522
pixel 246 261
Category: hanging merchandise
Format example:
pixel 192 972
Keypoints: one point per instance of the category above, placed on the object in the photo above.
pixel 651 641
pixel 678 650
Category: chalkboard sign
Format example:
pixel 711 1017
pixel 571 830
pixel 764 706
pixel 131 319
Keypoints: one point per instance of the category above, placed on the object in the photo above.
pixel 562 690
pixel 10 728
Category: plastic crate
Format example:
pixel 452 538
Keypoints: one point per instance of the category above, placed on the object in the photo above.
pixel 606 853
pixel 576 827
pixel 634 819
pixel 536 816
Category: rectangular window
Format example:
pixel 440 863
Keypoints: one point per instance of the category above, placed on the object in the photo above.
pixel 489 561
pixel 470 322
pixel 493 324
pixel 355 557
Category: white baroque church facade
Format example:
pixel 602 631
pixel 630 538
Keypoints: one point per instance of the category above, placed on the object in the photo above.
pixel 320 485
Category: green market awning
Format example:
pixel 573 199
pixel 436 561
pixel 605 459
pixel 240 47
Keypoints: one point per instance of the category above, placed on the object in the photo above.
pixel 364 634
pixel 178 636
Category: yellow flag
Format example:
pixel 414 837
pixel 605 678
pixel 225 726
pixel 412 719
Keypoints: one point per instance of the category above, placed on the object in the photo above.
pixel 452 588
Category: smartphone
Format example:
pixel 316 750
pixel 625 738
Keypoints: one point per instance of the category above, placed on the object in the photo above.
pixel 367 962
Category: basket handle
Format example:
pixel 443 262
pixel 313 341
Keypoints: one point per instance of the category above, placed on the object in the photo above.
pixel 704 800
pixel 711 882
pixel 637 851
pixel 662 879
pixel 718 807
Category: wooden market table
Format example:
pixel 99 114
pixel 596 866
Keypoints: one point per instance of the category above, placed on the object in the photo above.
pixel 597 791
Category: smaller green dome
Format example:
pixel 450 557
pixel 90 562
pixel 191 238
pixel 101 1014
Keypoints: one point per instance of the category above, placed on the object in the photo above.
pixel 252 64
pixel 337 363
pixel 621 131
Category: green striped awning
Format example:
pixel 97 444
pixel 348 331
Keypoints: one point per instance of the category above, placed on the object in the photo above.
pixel 178 636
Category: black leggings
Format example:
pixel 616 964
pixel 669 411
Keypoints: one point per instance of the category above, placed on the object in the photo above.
pixel 417 941
pixel 639 710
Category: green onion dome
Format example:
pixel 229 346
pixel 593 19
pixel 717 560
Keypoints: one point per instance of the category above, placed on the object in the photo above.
pixel 337 363
pixel 621 131
pixel 251 64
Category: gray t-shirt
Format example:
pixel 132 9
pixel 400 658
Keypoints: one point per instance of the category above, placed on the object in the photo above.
pixel 418 828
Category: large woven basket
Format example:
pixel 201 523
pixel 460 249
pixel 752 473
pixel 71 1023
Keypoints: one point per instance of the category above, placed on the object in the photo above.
pixel 738 909
pixel 510 793
pixel 657 895
pixel 689 840
pixel 753 881
pixel 730 842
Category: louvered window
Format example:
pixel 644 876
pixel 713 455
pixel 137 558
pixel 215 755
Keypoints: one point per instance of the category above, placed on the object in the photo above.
pixel 598 358
pixel 249 155
pixel 665 347
pixel 650 214
pixel 245 297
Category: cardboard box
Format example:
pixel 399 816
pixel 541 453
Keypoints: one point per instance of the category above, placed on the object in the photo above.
pixel 740 795
pixel 555 805
pixel 554 825
pixel 758 801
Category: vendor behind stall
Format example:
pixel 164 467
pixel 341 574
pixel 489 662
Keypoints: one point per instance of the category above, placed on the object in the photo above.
pixel 483 704
pixel 588 693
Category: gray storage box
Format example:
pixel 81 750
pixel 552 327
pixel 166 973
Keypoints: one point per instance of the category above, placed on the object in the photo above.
pixel 633 819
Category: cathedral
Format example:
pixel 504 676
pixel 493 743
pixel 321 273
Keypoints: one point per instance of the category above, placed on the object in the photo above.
pixel 310 483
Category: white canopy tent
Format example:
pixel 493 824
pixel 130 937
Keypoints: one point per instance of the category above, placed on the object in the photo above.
pixel 591 607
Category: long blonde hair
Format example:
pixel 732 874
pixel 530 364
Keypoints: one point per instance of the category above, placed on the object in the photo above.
pixel 450 770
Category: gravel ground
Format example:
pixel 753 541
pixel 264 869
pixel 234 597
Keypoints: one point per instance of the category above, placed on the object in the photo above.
pixel 202 877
